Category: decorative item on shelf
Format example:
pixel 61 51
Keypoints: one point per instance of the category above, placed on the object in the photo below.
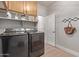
pixel 23 18
pixel 31 18
pixel 70 29
pixel 8 12
pixel 36 18
pixel 2 30
pixel 16 16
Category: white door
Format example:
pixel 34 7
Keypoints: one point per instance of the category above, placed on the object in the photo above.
pixel 49 29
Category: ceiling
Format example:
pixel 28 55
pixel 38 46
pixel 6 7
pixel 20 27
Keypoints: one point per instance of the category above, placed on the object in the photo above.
pixel 46 3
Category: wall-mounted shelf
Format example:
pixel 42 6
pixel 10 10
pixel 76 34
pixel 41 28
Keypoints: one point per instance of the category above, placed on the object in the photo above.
pixel 6 18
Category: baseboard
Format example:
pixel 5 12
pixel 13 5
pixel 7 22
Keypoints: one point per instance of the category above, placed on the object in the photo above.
pixel 68 50
pixel 51 43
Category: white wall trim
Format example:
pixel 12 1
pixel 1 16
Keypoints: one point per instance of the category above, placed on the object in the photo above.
pixel 75 53
pixel 51 43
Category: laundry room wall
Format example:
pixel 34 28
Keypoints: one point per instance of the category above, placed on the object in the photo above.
pixel 41 14
pixel 62 10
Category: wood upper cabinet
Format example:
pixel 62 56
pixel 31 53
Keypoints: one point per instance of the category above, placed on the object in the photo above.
pixel 26 7
pixel 31 7
pixel 15 6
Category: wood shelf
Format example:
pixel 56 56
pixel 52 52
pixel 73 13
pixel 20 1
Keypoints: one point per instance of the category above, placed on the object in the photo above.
pixel 6 18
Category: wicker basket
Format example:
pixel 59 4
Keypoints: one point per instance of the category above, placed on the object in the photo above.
pixel 69 29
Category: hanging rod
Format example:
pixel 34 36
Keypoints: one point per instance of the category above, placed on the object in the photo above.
pixel 70 19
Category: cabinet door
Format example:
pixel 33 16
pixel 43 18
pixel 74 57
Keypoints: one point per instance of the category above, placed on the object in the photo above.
pixel 15 5
pixel 26 7
pixel 31 8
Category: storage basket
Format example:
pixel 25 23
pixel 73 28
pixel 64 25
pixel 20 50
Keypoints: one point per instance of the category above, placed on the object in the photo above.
pixel 69 29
